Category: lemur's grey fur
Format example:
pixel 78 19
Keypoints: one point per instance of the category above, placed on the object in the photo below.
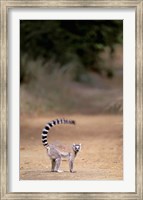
pixel 54 154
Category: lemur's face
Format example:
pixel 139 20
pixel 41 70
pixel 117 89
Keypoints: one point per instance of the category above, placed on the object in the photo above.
pixel 76 147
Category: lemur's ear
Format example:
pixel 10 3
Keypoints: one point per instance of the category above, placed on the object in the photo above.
pixel 73 144
pixel 79 144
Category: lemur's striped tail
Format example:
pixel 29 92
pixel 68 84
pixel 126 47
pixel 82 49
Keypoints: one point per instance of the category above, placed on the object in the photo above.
pixel 49 125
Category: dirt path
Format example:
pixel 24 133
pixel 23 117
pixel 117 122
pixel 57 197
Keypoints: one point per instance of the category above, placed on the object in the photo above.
pixel 100 158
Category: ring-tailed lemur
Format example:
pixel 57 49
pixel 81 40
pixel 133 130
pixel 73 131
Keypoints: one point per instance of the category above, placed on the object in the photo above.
pixel 54 154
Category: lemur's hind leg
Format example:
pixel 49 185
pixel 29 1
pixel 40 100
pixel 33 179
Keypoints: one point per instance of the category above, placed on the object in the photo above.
pixel 53 162
pixel 57 164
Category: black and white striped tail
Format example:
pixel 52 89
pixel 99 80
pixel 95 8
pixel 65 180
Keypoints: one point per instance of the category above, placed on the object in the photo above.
pixel 49 125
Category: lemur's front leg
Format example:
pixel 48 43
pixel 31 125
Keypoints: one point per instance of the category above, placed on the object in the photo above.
pixel 71 162
pixel 71 166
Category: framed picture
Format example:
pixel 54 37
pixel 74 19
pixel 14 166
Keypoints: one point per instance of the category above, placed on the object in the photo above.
pixel 73 63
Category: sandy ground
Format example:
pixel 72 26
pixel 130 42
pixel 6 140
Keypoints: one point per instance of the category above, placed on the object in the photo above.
pixel 101 156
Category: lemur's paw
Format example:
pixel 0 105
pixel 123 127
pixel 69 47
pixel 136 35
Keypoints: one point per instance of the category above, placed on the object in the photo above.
pixel 59 171
pixel 72 171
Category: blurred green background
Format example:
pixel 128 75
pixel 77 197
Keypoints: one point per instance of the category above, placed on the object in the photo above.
pixel 71 66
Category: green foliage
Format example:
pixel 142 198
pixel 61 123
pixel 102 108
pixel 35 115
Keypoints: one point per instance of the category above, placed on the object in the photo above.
pixel 63 40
